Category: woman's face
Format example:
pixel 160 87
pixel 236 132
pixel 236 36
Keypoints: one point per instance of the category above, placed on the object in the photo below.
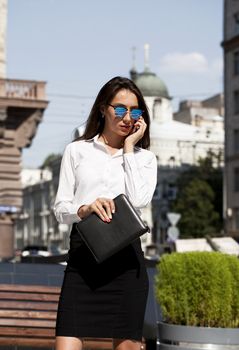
pixel 120 126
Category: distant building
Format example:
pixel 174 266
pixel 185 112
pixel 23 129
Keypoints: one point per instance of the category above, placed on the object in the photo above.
pixel 178 140
pixel 30 177
pixel 36 223
pixel 208 113
pixel 231 91
pixel 185 136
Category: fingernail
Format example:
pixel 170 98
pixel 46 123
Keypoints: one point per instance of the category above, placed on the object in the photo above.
pixel 113 211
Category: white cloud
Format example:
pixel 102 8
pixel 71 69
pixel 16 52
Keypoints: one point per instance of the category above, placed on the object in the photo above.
pixel 217 66
pixel 191 75
pixel 177 62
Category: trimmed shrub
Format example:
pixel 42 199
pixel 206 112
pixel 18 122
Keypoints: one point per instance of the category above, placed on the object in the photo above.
pixel 199 289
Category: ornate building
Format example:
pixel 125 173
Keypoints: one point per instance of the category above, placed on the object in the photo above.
pixel 178 140
pixel 185 136
pixel 22 103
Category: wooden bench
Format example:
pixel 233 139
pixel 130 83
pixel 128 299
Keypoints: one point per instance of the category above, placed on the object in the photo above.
pixel 28 316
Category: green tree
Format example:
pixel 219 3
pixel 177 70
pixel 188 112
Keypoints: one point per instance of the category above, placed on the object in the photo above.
pixel 49 159
pixel 208 170
pixel 195 204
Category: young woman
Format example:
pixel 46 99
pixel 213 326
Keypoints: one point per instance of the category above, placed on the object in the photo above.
pixel 105 300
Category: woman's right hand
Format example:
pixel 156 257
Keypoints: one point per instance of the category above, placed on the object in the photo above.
pixel 103 207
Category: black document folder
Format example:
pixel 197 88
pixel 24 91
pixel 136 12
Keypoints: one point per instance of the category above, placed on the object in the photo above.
pixel 105 239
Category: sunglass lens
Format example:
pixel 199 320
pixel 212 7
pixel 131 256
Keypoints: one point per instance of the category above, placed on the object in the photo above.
pixel 120 111
pixel 136 113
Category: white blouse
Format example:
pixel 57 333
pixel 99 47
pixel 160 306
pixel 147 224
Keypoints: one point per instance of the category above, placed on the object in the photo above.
pixel 89 171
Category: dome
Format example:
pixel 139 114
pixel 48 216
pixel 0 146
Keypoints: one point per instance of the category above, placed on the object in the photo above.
pixel 151 85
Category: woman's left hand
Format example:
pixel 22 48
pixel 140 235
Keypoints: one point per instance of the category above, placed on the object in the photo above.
pixel 137 132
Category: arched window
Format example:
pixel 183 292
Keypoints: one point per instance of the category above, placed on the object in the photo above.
pixel 171 162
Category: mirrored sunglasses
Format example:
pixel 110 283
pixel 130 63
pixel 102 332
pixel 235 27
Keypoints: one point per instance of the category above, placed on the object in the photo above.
pixel 121 111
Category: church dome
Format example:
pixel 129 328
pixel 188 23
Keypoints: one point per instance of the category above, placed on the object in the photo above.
pixel 151 85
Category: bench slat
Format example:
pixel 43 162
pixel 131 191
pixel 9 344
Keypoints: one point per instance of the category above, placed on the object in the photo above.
pixel 47 333
pixel 28 296
pixel 28 314
pixel 28 317
pixel 100 344
pixel 27 342
pixel 29 288
pixel 25 305
pixel 26 323
pixel 27 332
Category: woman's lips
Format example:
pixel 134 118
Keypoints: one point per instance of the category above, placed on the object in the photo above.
pixel 126 127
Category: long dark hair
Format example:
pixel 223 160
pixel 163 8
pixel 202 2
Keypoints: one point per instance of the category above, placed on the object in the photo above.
pixel 95 122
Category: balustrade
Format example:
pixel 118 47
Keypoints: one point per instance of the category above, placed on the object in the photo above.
pixel 22 89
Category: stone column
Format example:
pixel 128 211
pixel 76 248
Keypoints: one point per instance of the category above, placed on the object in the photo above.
pixel 7 237
pixel 3 26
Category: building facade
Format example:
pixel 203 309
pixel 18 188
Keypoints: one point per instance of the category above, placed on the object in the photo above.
pixel 22 104
pixel 231 90
pixel 36 224
pixel 178 140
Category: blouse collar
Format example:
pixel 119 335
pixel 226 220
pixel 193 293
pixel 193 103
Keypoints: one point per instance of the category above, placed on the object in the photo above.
pixel 101 144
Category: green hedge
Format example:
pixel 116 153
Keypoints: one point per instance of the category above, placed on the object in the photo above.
pixel 199 289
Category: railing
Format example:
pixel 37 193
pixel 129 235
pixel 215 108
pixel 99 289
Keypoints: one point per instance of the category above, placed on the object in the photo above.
pixel 22 89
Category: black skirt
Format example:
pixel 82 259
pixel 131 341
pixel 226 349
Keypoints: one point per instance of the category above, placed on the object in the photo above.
pixel 104 300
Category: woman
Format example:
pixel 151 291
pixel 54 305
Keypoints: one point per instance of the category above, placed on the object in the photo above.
pixel 105 300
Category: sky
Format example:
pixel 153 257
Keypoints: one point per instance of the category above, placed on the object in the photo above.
pixel 76 46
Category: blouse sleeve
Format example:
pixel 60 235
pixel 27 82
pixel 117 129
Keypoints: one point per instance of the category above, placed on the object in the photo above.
pixel 64 209
pixel 140 178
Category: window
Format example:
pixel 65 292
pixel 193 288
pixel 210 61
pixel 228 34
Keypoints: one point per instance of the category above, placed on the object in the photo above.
pixel 198 120
pixel 208 133
pixel 171 162
pixel 236 179
pixel 236 62
pixel 236 141
pixel 236 101
pixel 236 21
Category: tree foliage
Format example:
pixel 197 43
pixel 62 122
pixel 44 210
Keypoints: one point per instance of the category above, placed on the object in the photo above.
pixel 49 159
pixel 195 204
pixel 199 198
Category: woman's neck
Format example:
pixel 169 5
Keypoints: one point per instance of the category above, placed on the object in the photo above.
pixel 112 141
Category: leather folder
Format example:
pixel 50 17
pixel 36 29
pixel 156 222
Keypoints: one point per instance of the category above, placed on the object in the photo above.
pixel 105 239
